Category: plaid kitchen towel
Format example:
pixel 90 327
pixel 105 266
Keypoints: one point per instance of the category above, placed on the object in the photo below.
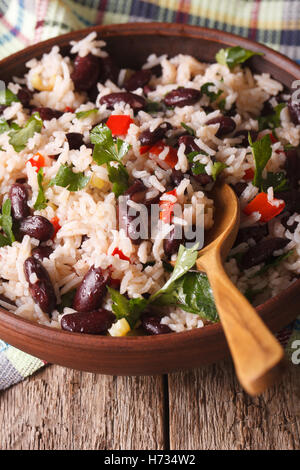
pixel 275 23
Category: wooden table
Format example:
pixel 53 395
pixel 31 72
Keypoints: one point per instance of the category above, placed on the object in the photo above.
pixel 203 409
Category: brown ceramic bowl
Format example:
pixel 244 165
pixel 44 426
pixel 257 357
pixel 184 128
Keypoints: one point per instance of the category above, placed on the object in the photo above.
pixel 130 44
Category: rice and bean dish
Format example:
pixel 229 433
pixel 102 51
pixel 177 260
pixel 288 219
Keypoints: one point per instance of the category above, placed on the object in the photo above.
pixel 79 134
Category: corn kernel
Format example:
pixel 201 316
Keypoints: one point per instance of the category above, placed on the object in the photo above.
pixel 120 328
pixel 99 183
pixel 53 206
pixel 38 84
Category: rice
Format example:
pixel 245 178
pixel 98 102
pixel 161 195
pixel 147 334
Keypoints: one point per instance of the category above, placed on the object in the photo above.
pixel 89 234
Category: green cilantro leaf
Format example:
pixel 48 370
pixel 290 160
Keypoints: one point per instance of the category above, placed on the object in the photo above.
pixel 6 223
pixel 85 114
pixel 186 259
pixel 19 137
pixel 66 300
pixel 221 104
pixel 15 126
pixel 119 177
pixel 153 107
pixel 217 168
pixel 234 55
pixel 7 97
pixel 211 94
pixel 278 181
pixel 192 293
pixel 107 150
pixel 189 129
pixel 262 152
pixel 4 127
pixel 66 178
pixel 124 308
pixel 198 168
pixel 41 201
pixel 189 290
pixel 272 120
pixel 190 156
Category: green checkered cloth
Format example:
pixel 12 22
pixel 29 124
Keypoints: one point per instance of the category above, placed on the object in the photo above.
pixel 275 23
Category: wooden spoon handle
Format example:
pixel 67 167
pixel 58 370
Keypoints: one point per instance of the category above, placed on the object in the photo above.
pixel 257 355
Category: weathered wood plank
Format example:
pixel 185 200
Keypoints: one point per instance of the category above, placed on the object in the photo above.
pixel 208 410
pixel 65 409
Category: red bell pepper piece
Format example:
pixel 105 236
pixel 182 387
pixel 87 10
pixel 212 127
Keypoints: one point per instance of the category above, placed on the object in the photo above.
pixel 120 254
pixel 273 138
pixel 68 109
pixel 249 174
pixel 144 149
pixel 166 208
pixel 119 124
pixel 114 283
pixel 262 205
pixel 171 158
pixel 38 161
pixel 55 222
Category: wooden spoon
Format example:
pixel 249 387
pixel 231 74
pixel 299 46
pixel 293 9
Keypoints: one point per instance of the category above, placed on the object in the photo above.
pixel 257 355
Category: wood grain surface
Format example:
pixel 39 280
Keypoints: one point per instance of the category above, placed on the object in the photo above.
pixel 60 408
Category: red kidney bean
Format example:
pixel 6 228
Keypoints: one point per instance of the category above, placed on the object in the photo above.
pixel 92 93
pixel 244 134
pixel 239 188
pixel 182 97
pixel 127 223
pixel 156 70
pixel 131 229
pixel 267 109
pixel 108 70
pixel 227 125
pixel 294 110
pixel 5 299
pixel 75 140
pixel 147 89
pixel 38 227
pixel 257 232
pixel 151 324
pixel 86 72
pixel 41 252
pixel 176 177
pixel 292 166
pixel 25 95
pixel 231 112
pixel 171 244
pixel 291 199
pixel 136 102
pixel 137 80
pixel 148 137
pixel 202 179
pixel 262 251
pixel 42 290
pixel 284 220
pixel 136 191
pixel 18 195
pixel 189 142
pixel 2 108
pixel 91 291
pixel 47 113
pixel 96 322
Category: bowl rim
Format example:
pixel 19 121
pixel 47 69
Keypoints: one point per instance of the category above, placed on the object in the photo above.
pixel 132 343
